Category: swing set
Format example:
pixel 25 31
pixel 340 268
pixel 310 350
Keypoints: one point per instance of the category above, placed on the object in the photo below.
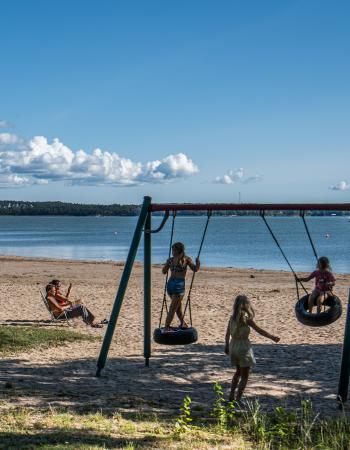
pixel 181 335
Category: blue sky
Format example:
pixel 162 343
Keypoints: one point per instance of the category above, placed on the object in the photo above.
pixel 178 96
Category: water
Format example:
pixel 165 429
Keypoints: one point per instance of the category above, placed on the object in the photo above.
pixel 230 242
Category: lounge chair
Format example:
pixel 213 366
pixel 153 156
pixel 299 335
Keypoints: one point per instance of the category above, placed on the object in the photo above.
pixel 54 319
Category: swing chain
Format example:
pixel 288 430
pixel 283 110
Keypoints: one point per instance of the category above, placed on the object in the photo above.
pixel 302 215
pixel 164 303
pixel 297 280
pixel 188 302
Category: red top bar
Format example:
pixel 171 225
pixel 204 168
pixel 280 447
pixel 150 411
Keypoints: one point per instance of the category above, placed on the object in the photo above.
pixel 249 206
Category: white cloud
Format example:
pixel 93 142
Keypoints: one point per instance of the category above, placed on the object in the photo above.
pixel 230 177
pixel 173 166
pixel 234 176
pixel 4 124
pixel 253 179
pixel 39 161
pixel 341 186
pixel 17 181
pixel 8 138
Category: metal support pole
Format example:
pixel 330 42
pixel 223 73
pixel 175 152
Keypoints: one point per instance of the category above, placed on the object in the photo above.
pixel 147 290
pixel 123 285
pixel 345 360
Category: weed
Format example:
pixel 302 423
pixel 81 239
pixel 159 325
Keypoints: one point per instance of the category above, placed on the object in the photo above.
pixel 183 422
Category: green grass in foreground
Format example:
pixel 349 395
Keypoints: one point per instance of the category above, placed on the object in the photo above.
pixel 27 429
pixel 16 339
pixel 221 427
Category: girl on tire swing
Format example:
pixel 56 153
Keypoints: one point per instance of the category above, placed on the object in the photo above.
pixel 177 265
pixel 324 281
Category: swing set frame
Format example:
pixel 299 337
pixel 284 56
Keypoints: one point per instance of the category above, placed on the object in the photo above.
pixel 144 227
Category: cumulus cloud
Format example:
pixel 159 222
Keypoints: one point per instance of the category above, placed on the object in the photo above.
pixel 8 138
pixel 230 177
pixel 341 186
pixel 40 161
pixel 17 181
pixel 234 176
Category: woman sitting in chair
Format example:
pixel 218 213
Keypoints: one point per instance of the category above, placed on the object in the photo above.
pixel 59 303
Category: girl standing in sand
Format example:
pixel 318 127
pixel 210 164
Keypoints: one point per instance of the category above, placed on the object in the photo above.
pixel 324 280
pixel 177 265
pixel 238 345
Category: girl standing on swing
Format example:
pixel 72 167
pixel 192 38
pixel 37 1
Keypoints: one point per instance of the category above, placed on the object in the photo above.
pixel 177 265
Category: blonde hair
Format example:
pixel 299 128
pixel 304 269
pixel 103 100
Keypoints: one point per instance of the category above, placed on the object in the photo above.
pixel 242 310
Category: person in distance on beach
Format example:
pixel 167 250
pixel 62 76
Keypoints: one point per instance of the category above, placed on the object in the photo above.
pixel 177 265
pixel 324 281
pixel 60 303
pixel 238 345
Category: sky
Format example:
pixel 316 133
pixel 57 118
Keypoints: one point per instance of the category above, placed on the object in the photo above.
pixel 186 101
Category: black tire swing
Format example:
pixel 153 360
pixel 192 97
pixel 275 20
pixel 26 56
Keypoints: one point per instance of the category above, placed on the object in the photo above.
pixel 301 308
pixel 332 301
pixel 179 335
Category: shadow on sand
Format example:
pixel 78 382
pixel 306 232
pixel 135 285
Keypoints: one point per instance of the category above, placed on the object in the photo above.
pixel 284 374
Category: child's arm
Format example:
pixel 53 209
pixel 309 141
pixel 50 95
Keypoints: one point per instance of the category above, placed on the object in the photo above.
pixel 262 332
pixel 331 281
pixel 305 279
pixel 194 267
pixel 166 267
pixel 227 339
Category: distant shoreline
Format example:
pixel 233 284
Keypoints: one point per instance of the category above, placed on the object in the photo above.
pixel 53 209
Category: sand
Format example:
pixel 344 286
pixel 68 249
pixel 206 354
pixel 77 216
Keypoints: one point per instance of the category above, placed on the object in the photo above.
pixel 305 364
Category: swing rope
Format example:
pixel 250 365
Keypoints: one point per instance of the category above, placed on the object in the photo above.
pixel 164 304
pixel 262 214
pixel 188 302
pixel 302 215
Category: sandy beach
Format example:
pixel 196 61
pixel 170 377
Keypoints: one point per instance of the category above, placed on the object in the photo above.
pixel 305 364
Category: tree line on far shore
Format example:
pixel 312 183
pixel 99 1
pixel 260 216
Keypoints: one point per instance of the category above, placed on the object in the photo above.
pixel 24 208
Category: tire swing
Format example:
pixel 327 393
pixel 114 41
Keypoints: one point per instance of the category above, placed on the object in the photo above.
pixel 178 335
pixel 323 318
pixel 333 302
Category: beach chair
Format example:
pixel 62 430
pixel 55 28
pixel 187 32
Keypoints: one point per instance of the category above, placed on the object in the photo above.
pixel 60 318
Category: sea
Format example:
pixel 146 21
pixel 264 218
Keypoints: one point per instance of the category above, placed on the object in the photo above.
pixel 231 241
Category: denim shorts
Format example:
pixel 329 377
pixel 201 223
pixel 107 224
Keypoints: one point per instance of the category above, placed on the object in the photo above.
pixel 175 286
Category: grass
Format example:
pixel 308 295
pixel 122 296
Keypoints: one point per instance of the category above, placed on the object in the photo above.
pixel 16 339
pixel 221 427
pixel 51 429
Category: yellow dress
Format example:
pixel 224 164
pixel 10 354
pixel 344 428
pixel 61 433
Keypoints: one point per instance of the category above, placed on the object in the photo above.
pixel 241 352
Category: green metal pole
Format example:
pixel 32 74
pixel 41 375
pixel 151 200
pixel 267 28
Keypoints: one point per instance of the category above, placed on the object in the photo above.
pixel 123 285
pixel 147 290
pixel 345 360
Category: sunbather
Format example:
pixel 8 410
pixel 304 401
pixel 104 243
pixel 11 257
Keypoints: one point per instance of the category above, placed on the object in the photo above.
pixel 60 303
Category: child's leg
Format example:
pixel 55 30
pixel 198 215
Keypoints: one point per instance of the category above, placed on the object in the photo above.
pixel 312 297
pixel 243 383
pixel 234 383
pixel 179 314
pixel 321 299
pixel 175 302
